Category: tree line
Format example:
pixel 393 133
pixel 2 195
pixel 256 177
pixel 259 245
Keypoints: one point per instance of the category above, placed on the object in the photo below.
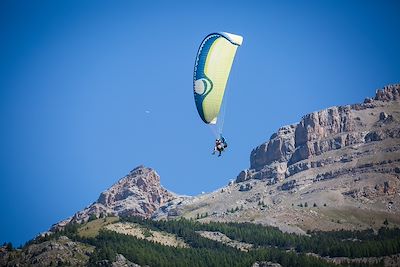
pixel 352 244
pixel 270 244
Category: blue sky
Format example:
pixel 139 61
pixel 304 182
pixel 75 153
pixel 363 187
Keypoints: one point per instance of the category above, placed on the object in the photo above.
pixel 91 89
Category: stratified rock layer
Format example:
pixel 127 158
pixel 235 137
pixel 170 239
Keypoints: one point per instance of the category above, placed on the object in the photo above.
pixel 293 148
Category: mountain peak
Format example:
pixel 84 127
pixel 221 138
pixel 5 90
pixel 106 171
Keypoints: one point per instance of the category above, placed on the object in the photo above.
pixel 140 182
pixel 139 169
pixel 139 193
pixel 388 93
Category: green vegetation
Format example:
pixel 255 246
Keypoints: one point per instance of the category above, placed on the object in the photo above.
pixel 201 216
pixel 263 205
pixel 92 227
pixel 210 253
pixel 233 210
pixel 8 246
pixel 92 217
pixel 146 233
pixel 270 244
pixel 386 222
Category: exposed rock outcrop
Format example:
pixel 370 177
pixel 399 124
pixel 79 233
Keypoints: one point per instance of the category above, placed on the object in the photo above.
pixel 322 131
pixel 279 148
pixel 245 187
pixel 121 261
pixel 387 188
pixel 388 93
pixel 266 264
pixel 139 193
pixel 298 147
pixel 288 185
pixel 59 252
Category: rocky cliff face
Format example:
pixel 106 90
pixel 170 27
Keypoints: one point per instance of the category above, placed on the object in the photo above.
pixel 327 130
pixel 139 193
pixel 59 252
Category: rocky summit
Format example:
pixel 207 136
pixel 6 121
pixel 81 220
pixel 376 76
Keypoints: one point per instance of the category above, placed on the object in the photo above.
pixel 137 194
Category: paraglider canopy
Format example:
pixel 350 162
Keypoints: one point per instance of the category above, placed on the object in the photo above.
pixel 211 72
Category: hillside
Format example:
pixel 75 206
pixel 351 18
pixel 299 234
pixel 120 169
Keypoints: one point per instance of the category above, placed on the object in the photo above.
pixel 134 241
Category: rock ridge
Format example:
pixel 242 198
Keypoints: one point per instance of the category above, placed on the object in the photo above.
pixel 137 194
pixel 317 133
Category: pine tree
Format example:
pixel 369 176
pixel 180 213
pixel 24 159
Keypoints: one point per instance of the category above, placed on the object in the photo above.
pixel 9 246
pixel 386 222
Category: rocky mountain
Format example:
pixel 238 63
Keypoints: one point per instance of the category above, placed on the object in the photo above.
pixel 59 252
pixel 139 193
pixel 338 168
pixel 293 148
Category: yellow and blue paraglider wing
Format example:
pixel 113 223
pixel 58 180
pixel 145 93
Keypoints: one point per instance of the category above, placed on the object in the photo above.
pixel 211 71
